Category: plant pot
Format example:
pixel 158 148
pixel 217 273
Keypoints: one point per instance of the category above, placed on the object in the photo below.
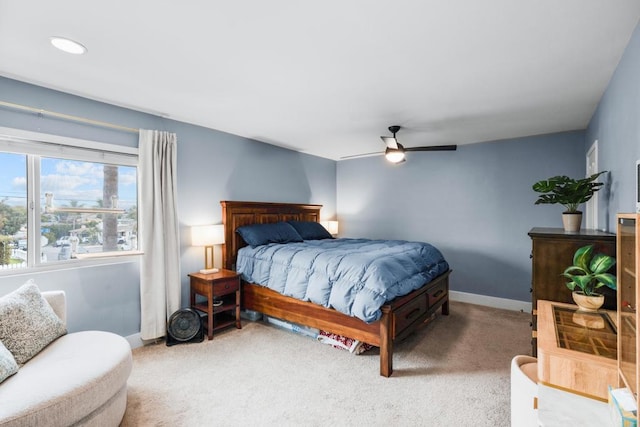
pixel 572 221
pixel 588 302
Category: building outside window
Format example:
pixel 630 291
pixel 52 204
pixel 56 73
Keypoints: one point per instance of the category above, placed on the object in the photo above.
pixel 63 204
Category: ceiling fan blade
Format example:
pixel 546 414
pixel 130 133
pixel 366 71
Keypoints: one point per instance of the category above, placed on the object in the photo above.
pixel 433 148
pixel 390 141
pixel 356 156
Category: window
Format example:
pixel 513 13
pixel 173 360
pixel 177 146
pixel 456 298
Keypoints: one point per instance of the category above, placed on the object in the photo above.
pixel 65 200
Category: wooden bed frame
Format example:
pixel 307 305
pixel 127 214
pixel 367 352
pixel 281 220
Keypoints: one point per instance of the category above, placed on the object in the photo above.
pixel 400 317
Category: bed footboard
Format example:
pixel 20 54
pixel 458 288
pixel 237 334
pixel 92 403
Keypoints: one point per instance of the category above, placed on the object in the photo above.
pixel 408 313
pixel 399 318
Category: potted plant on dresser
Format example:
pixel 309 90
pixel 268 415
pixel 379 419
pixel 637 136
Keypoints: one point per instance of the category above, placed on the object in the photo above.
pixel 570 193
pixel 588 273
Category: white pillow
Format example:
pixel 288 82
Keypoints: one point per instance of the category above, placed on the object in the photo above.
pixel 27 322
pixel 8 365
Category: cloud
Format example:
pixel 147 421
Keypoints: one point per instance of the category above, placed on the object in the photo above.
pixel 82 182
pixel 127 178
pixel 19 183
pixel 68 167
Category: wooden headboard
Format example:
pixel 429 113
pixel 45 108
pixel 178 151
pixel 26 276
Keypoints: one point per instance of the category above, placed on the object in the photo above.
pixel 237 214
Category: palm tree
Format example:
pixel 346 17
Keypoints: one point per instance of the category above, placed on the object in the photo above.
pixel 110 220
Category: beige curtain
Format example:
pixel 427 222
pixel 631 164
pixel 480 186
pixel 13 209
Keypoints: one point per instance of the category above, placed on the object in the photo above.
pixel 159 232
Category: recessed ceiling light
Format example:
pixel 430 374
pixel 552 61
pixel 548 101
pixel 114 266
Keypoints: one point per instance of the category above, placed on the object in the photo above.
pixel 68 45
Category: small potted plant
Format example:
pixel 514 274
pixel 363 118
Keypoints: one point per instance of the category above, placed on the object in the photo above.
pixel 570 193
pixel 587 274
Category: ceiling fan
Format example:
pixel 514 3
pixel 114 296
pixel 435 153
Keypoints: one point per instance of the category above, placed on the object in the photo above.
pixel 395 152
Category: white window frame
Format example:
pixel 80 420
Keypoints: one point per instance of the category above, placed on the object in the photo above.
pixel 36 145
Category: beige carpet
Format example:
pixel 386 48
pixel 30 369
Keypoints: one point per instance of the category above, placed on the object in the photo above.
pixel 453 372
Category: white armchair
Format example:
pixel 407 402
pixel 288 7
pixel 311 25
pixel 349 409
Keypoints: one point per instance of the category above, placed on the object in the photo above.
pixel 78 379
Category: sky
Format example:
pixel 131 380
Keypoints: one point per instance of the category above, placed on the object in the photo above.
pixel 67 179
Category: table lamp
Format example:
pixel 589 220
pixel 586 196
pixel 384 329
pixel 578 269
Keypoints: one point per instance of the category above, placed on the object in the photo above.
pixel 331 226
pixel 207 236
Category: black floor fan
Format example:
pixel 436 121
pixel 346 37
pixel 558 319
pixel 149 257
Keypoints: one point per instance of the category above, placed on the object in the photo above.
pixel 184 326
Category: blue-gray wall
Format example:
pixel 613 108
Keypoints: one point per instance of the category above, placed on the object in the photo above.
pixel 475 204
pixel 212 166
pixel 616 126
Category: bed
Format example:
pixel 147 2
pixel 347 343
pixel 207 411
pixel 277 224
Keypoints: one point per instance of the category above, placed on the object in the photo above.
pixel 398 318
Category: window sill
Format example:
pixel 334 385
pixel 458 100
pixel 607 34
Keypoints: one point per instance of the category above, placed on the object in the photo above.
pixel 88 261
pixel 114 254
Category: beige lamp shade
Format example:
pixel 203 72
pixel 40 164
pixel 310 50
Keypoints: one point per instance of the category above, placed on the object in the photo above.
pixel 207 236
pixel 331 226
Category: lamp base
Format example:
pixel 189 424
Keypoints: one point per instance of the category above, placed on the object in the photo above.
pixel 209 270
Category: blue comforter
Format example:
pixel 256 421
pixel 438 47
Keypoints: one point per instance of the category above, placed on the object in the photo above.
pixel 354 276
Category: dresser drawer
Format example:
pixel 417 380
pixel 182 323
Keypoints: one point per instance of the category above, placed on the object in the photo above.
pixel 436 293
pixel 409 313
pixel 223 287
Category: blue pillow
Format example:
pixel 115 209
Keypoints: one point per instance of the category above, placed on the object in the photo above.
pixel 310 230
pixel 262 234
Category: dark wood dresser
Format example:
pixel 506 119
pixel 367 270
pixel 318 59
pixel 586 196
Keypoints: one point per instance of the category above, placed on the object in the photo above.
pixel 552 252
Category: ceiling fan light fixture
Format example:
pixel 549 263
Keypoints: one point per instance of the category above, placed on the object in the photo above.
pixel 394 156
pixel 68 45
pixel 395 152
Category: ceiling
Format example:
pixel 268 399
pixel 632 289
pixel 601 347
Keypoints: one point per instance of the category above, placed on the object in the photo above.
pixel 327 78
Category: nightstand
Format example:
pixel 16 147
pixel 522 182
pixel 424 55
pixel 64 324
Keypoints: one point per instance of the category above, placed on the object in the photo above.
pixel 222 287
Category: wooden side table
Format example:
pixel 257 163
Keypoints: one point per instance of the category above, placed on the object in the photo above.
pixel 577 350
pixel 224 287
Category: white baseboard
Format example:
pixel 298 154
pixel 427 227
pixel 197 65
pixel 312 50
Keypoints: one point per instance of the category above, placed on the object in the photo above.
pixel 134 340
pixel 495 302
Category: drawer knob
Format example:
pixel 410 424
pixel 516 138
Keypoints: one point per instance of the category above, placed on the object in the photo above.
pixel 226 286
pixel 438 293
